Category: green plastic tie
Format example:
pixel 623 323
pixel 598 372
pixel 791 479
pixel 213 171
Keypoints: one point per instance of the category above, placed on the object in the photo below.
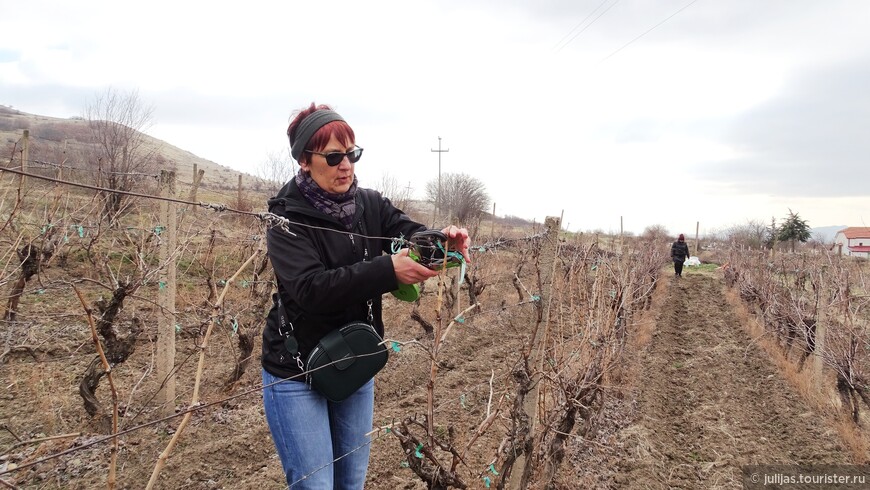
pixel 460 319
pixel 404 464
pixel 492 469
pixel 396 346
pixel 462 400
pixel 235 325
pixel 159 229
pixel 81 230
pixel 162 285
pixel 177 328
pixel 417 451
pixel 486 481
pixel 244 283
pixel 40 291
pixel 535 297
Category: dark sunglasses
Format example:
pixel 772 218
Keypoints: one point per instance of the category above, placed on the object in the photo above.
pixel 335 157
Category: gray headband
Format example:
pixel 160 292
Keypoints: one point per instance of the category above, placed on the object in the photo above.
pixel 308 127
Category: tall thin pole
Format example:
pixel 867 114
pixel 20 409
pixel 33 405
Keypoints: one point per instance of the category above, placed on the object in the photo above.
pixel 25 156
pixel 166 296
pixel 439 151
pixel 522 469
pixel 621 236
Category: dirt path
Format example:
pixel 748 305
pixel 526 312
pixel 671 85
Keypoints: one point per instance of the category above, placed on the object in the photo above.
pixel 710 401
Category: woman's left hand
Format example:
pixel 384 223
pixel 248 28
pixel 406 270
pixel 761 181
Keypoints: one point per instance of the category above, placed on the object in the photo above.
pixel 459 238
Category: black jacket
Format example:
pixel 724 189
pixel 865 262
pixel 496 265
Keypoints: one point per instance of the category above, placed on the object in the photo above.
pixel 679 251
pixel 323 280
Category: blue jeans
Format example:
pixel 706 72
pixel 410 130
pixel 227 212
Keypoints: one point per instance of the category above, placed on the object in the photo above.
pixel 322 444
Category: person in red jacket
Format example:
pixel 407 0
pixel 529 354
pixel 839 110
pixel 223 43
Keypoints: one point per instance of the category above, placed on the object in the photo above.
pixel 679 254
pixel 331 269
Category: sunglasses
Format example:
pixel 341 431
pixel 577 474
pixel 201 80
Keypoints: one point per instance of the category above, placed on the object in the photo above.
pixel 335 157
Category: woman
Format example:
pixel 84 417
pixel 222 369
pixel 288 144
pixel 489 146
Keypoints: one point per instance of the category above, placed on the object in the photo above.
pixel 679 254
pixel 330 271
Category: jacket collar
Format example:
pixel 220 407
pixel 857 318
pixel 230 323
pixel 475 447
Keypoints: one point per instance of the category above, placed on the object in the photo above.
pixel 290 200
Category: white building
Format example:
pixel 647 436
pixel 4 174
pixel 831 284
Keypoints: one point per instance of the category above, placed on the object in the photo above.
pixel 854 241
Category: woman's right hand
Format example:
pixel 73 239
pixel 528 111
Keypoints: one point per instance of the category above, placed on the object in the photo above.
pixel 409 271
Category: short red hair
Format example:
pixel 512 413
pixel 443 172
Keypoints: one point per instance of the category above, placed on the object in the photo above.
pixel 340 129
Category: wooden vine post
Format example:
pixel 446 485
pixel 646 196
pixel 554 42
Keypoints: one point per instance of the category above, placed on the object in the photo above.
pixel 492 224
pixel 197 179
pixel 621 235
pixel 821 327
pixel 25 156
pixel 166 295
pixel 522 469
pixel 239 196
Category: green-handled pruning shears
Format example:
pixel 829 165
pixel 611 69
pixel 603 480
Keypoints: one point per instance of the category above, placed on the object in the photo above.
pixel 429 248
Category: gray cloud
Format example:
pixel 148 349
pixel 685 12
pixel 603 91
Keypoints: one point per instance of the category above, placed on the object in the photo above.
pixel 811 141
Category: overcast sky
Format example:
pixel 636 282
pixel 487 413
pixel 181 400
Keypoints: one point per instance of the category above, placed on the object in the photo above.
pixel 662 112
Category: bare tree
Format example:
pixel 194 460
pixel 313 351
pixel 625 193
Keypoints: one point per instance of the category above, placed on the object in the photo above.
pixel 752 234
pixel 116 121
pixel 390 188
pixel 276 170
pixel 656 233
pixel 461 194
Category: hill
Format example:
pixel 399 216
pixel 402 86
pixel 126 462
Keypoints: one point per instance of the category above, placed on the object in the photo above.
pixel 69 141
pixel 826 233
pixel 55 140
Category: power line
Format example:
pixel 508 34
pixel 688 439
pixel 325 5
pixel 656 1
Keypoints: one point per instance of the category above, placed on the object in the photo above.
pixel 647 31
pixel 578 25
pixel 588 25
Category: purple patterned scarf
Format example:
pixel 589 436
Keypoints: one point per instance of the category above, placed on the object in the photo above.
pixel 340 206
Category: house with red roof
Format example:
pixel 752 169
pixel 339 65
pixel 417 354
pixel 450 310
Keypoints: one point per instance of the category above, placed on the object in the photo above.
pixel 854 241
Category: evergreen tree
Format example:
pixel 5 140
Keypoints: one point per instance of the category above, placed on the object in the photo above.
pixel 794 229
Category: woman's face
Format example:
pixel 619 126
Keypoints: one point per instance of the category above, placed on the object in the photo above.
pixel 337 179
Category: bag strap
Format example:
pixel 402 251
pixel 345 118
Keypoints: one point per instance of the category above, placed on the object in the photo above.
pixel 285 329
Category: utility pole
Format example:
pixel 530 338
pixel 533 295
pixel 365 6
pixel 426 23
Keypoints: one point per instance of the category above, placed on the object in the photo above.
pixel 439 151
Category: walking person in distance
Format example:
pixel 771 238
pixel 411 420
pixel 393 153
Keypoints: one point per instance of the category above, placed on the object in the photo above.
pixel 331 270
pixel 679 254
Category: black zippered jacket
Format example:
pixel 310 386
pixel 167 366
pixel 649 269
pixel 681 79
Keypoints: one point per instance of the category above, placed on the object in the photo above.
pixel 324 281
pixel 679 251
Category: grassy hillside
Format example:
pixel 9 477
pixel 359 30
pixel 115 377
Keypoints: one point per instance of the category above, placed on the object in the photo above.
pixel 55 140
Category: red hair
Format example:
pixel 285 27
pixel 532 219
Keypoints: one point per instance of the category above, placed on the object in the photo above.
pixel 340 129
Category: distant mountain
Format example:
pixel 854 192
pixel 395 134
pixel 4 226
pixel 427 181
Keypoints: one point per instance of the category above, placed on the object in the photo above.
pixel 826 233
